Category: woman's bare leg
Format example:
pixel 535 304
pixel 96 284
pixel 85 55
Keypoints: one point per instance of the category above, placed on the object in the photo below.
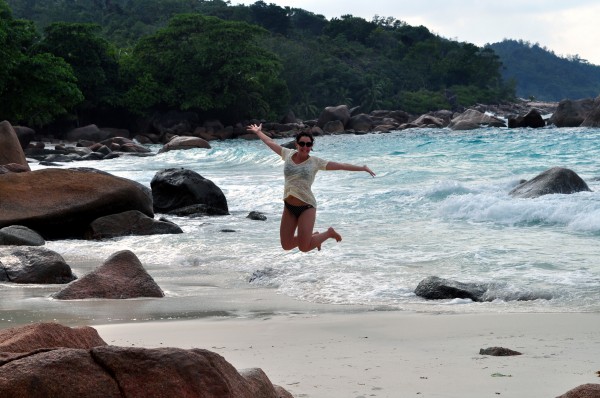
pixel 287 230
pixel 306 225
pixel 316 233
pixel 309 240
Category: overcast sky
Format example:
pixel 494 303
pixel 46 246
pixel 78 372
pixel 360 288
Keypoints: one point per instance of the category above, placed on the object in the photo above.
pixel 565 27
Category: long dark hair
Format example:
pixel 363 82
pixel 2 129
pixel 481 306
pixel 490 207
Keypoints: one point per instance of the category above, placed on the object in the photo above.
pixel 305 134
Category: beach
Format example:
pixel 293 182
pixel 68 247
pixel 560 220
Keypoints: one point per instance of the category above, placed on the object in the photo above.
pixel 393 353
pixel 345 321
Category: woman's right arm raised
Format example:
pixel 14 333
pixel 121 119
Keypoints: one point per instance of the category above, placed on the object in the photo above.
pixel 257 129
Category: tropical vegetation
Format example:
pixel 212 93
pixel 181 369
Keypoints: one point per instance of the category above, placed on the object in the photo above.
pixel 92 59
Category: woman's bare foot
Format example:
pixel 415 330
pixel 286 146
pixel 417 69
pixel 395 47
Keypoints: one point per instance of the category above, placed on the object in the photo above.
pixel 333 234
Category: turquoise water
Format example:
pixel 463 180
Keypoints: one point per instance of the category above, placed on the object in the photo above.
pixel 438 206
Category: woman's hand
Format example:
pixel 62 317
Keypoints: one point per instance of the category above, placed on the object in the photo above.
pixel 368 170
pixel 255 128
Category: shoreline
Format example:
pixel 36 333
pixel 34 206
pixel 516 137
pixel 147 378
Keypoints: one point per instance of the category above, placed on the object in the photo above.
pixel 392 353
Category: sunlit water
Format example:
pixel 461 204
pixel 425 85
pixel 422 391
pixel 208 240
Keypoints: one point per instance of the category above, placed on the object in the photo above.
pixel 438 206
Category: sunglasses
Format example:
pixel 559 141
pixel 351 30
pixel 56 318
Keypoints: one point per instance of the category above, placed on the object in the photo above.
pixel 303 144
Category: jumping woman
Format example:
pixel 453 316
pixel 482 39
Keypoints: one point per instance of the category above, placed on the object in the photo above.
pixel 300 205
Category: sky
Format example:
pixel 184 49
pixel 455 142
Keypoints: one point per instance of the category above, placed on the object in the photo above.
pixel 566 27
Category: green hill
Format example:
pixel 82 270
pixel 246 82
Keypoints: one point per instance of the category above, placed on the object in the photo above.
pixel 541 74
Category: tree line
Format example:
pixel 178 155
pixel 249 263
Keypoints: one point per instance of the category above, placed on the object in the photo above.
pixel 113 60
pixel 541 74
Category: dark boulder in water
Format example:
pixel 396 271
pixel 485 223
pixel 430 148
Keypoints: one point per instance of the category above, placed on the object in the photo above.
pixel 130 222
pixel 436 288
pixel 18 235
pixel 472 119
pixel 257 216
pixel 178 187
pixel 532 119
pixel 19 264
pixel 572 113
pixel 200 210
pixel 551 181
pixel 593 117
pixel 339 113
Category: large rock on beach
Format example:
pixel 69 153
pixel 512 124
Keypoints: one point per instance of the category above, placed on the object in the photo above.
pixel 121 276
pixel 19 235
pixel 20 264
pixel 61 372
pixel 181 143
pixel 551 181
pixel 51 360
pixel 571 113
pixel 10 147
pixel 589 390
pixel 130 222
pixel 472 117
pixel 132 372
pixel 60 203
pixel 38 336
pixel 177 372
pixel 178 187
pixel 436 288
pixel 14 168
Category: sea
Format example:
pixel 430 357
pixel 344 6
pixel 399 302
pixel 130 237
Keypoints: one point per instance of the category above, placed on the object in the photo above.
pixel 439 206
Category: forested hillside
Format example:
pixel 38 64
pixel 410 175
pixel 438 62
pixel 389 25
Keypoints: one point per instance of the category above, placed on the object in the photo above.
pixel 541 74
pixel 136 57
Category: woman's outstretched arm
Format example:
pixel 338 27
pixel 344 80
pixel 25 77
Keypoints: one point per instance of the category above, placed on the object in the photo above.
pixel 257 129
pixel 348 167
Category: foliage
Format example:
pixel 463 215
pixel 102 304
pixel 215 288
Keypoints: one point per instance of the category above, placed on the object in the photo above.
pixel 541 74
pixel 47 89
pixel 423 101
pixel 92 58
pixel 35 88
pixel 214 58
pixel 352 28
pixel 207 64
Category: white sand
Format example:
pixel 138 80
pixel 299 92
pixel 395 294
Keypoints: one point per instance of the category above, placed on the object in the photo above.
pixel 393 354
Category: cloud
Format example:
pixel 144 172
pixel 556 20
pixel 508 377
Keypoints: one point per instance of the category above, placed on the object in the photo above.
pixel 575 31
